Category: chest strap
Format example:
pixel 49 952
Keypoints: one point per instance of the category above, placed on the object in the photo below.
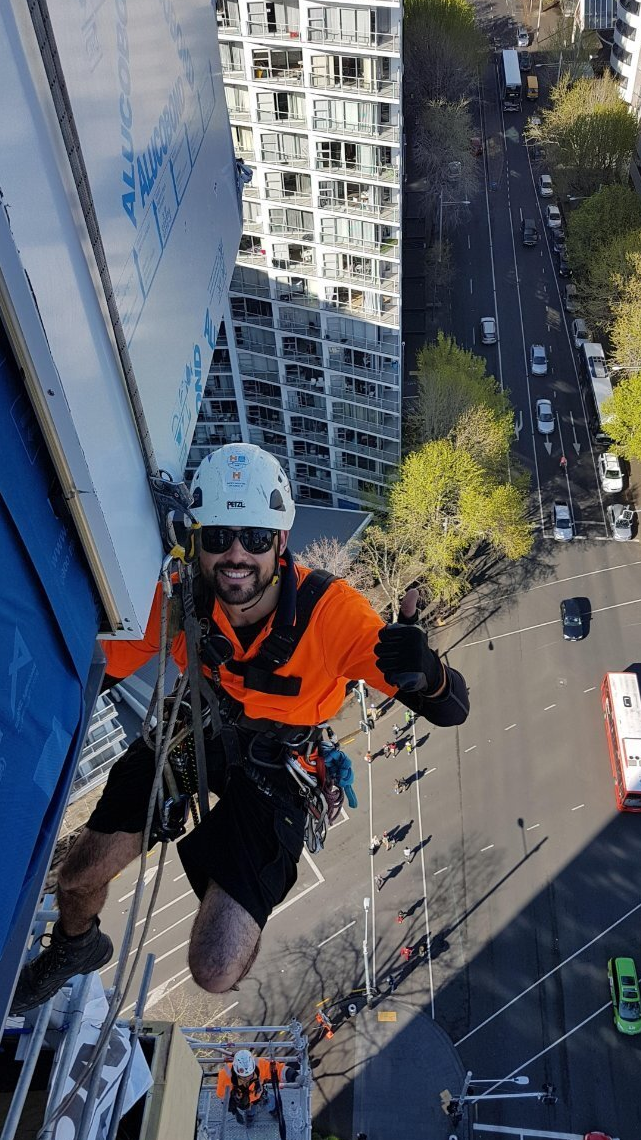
pixel 281 642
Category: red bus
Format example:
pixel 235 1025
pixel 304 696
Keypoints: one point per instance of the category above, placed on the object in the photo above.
pixel 621 702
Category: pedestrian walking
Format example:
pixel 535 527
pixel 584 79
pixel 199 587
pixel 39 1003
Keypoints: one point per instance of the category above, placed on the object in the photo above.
pixel 386 750
pixel 408 852
pixel 563 463
pixel 368 757
pixel 373 712
pixel 374 844
pixel 400 785
pixel 409 718
pixel 409 747
pixel 393 749
pixel 396 730
pixel 378 881
pixel 391 983
pixel 388 841
pixel 406 953
pixel 422 950
pixel 401 916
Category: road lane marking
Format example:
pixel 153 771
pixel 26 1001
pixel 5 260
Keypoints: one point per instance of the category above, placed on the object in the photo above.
pixel 488 848
pixel 429 771
pixel 543 624
pixel 578 807
pixel 509 727
pixel 548 707
pixel 585 574
pixel 440 872
pixel 172 902
pixel 590 690
pixel 336 934
pixel 426 909
pixel 533 827
pixel 149 874
pixel 550 973
pixel 542 1052
pixel 164 988
pixel 470 749
pixel 153 938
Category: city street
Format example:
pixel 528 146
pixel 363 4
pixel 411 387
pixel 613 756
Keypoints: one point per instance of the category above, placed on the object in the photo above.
pixel 521 878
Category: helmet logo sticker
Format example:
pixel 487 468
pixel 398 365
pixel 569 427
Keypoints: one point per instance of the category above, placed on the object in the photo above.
pixel 235 505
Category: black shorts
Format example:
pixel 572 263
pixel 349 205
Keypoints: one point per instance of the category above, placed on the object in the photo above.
pixel 248 845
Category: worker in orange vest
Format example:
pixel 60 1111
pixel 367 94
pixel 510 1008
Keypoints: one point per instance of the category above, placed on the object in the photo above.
pixel 249 1079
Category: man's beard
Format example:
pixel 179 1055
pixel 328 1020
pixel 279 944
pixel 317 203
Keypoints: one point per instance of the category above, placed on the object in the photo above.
pixel 244 590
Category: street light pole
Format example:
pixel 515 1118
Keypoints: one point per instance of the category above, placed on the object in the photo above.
pixel 369 992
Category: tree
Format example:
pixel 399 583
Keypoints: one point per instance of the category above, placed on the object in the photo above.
pixel 487 437
pixel 625 328
pixel 601 292
pixel 388 557
pixel 339 558
pixel 625 409
pixel 443 155
pixel 443 48
pixel 589 132
pixel 451 380
pixel 609 214
pixel 446 501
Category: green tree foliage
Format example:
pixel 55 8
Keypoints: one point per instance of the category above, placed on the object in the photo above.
pixel 443 47
pixel 388 557
pixel 443 155
pixel 451 381
pixel 589 133
pixel 446 500
pixel 609 214
pixel 603 291
pixel 625 327
pixel 625 409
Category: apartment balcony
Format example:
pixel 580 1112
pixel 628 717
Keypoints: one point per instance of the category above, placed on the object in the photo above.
pixel 239 114
pixel 369 398
pixel 253 226
pixel 386 375
pixel 387 453
pixel 386 346
pixel 360 423
pixel 228 25
pixel 265 375
pixel 385 88
pixel 283 118
pixel 624 31
pixel 621 55
pixel 321 483
pixel 251 191
pixel 249 288
pixel 253 395
pixel 313 405
pixel 263 320
pixel 382 172
pixel 271 29
pixel 359 208
pixel 301 233
pixel 385 247
pixel 292 197
pixel 245 154
pixel 357 307
pixel 279 158
pixel 306 358
pixel 251 257
pixel 298 267
pixel 363 279
pixel 294 297
pixel 633 7
pixel 233 70
pixel 356 488
pixel 228 392
pixel 387 42
pixel 386 132
pixel 291 327
pixel 284 76
pixel 314 384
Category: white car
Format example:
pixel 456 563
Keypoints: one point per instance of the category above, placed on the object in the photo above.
pixel 553 217
pixel 522 36
pixel 538 360
pixel 621 519
pixel 562 521
pixel 580 332
pixel 545 186
pixel 488 330
pixel 544 417
pixel 610 473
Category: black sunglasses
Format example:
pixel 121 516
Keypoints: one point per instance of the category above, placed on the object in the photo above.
pixel 253 539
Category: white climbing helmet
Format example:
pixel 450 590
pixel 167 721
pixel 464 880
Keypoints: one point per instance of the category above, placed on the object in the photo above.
pixel 244 1063
pixel 239 484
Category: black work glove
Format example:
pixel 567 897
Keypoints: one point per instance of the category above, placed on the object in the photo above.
pixel 403 655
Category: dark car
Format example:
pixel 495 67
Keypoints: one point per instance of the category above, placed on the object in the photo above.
pixel 565 269
pixel 558 240
pixel 529 232
pixel 572 620
pixel 525 61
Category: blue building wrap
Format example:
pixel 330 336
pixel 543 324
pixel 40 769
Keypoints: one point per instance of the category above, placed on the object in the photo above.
pixel 49 668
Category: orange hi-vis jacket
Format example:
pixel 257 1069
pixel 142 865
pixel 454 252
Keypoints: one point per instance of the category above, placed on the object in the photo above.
pixel 255 1088
pixel 337 647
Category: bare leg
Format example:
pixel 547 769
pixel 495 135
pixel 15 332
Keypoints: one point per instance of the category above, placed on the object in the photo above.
pixel 224 942
pixel 83 880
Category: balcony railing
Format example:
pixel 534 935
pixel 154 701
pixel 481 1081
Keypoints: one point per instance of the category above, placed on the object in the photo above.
pixel 286 118
pixel 249 288
pixel 240 114
pixel 378 41
pixel 288 76
pixel 363 425
pixel 294 297
pixel 251 191
pixel 382 171
pixel 308 358
pixel 369 398
pixel 387 88
pixel 385 374
pixel 292 404
pixel 384 247
pixel 631 6
pixel 268 28
pixel 263 320
pixel 298 328
pixel 303 233
pixel 387 453
pixel 252 257
pixel 323 483
pixel 296 197
pixel 358 208
pixel 316 384
pixel 245 153
pixel 255 396
pixel 227 24
pixel 624 57
pixel 384 347
pixel 279 158
pixel 309 433
pixel 365 279
pixel 252 225
pixel 233 68
pixel 356 307
pixel 308 268
pixel 388 132
pixel 625 30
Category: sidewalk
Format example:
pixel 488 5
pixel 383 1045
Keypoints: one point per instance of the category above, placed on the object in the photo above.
pixel 400 1061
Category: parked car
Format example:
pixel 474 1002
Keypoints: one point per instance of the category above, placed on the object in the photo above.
pixel 572 620
pixel 565 269
pixel 538 360
pixel 621 520
pixel 529 232
pixel 562 521
pixel 570 299
pixel 553 217
pixel 558 239
pixel 476 146
pixel 544 417
pixel 545 186
pixel 522 36
pixel 580 332
pixel 626 999
pixel 525 61
pixel 610 473
pixel 596 1136
pixel 488 330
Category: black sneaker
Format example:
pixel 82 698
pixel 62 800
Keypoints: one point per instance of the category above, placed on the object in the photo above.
pixel 61 960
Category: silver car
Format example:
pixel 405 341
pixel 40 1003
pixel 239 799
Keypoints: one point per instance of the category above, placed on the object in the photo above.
pixel 562 521
pixel 522 36
pixel 580 332
pixel 488 330
pixel 621 519
pixel 538 360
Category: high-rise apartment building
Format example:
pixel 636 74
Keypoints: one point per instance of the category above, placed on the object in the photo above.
pixel 625 61
pixel 309 364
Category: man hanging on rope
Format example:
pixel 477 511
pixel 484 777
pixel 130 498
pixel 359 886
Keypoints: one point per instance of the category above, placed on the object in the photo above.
pixel 279 656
